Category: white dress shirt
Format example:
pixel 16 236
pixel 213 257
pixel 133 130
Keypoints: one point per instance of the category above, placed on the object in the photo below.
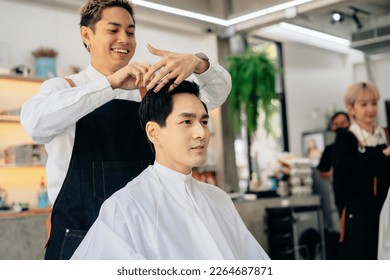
pixel 367 139
pixel 163 214
pixel 50 116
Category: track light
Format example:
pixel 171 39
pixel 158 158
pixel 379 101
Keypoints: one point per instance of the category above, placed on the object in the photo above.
pixel 337 16
pixel 340 16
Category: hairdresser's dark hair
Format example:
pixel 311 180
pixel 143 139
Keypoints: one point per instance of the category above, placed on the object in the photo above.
pixel 91 11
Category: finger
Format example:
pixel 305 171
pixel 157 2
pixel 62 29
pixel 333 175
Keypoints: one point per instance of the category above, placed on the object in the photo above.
pixel 143 68
pixel 138 72
pixel 134 74
pixel 177 82
pixel 173 86
pixel 162 76
pixel 158 87
pixel 157 52
pixel 153 69
pixel 160 84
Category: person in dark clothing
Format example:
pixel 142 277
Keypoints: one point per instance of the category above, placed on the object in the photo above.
pixel 339 121
pixel 361 171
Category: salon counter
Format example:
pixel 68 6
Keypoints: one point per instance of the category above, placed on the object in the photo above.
pixel 23 234
pixel 253 212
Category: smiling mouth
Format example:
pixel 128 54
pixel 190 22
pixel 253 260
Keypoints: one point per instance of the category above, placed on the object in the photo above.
pixel 121 51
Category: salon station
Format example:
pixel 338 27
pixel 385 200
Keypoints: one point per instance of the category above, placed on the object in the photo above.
pixel 266 159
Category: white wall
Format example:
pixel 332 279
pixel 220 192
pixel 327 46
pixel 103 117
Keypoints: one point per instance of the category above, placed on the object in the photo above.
pixel 316 78
pixel 25 27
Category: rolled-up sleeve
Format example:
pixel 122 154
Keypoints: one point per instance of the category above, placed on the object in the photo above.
pixel 57 106
pixel 215 85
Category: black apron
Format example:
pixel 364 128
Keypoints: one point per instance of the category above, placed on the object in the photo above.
pixel 110 149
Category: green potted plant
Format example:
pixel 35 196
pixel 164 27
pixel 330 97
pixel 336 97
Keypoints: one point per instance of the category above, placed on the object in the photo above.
pixel 253 87
pixel 45 63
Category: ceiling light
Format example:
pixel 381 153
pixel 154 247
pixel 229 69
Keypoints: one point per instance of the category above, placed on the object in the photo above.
pixel 180 12
pixel 337 16
pixel 314 33
pixel 215 20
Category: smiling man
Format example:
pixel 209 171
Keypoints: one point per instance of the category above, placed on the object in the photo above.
pixel 165 213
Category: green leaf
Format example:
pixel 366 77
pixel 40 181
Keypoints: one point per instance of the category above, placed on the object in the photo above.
pixel 253 87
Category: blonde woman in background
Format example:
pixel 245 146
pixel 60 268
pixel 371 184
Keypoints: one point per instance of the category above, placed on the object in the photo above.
pixel 361 164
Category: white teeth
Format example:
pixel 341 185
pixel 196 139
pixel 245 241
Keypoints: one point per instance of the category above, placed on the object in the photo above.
pixel 121 51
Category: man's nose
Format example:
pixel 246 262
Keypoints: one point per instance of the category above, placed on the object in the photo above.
pixel 199 130
pixel 123 37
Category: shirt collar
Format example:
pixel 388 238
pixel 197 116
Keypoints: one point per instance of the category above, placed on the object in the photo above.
pixel 177 184
pixel 172 174
pixel 92 73
pixel 378 137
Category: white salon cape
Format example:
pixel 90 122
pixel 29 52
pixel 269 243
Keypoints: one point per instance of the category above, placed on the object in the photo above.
pixel 384 230
pixel 163 214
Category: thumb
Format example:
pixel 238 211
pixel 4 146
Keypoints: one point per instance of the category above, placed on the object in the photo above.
pixel 157 52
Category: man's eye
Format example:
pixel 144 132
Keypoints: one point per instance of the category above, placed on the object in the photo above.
pixel 187 121
pixel 205 122
pixel 112 30
pixel 130 34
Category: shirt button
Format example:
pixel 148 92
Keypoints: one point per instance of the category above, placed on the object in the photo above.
pixel 350 216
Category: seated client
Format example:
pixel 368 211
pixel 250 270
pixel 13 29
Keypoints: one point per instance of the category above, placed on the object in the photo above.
pixel 165 213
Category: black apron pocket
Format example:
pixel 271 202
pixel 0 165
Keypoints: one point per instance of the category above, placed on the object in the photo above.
pixel 72 240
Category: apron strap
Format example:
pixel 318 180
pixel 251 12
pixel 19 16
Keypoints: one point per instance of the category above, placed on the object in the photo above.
pixel 71 83
pixel 48 227
pixel 342 225
pixel 142 91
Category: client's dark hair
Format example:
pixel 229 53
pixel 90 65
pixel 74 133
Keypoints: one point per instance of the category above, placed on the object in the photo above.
pixel 156 106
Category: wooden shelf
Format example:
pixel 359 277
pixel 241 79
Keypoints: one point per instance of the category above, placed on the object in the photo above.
pixel 9 118
pixel 21 78
pixel 15 90
pixel 21 165
pixel 19 180
pixel 28 213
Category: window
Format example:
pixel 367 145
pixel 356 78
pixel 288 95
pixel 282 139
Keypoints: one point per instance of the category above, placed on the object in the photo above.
pixel 257 154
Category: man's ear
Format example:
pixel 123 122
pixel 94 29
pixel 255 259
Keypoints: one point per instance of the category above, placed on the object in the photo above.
pixel 85 34
pixel 152 131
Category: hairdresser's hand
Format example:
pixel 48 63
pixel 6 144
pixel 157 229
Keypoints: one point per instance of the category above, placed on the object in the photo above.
pixel 386 151
pixel 178 66
pixel 132 76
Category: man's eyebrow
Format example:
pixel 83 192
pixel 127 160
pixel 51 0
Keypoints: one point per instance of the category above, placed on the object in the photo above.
pixel 192 115
pixel 119 25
